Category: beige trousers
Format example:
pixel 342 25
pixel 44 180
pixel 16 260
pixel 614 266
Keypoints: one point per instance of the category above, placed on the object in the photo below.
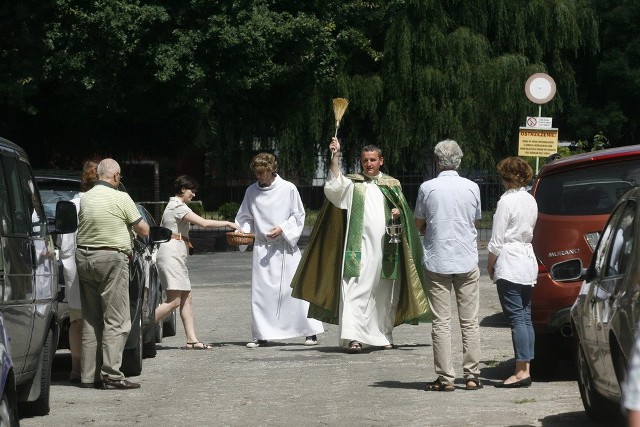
pixel 104 294
pixel 467 294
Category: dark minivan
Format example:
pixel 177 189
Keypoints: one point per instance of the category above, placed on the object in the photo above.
pixel 29 277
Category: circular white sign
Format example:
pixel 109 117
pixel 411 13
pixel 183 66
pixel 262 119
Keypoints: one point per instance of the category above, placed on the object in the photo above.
pixel 540 88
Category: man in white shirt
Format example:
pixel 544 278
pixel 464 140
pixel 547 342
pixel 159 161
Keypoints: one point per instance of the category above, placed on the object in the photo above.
pixel 446 211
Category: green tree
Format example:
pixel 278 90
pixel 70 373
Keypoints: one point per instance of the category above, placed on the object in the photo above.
pixel 457 70
pixel 609 81
pixel 152 79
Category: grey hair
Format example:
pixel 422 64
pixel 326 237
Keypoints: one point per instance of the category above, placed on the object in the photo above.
pixel 449 154
pixel 108 168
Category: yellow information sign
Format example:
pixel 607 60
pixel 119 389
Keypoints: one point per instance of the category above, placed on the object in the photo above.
pixel 537 142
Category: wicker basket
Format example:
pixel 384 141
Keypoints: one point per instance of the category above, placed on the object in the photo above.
pixel 237 239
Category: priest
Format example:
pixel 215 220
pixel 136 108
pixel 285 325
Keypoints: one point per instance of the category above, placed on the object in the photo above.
pixel 351 273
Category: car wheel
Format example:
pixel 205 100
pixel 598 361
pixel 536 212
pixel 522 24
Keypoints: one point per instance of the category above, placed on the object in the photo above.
pixel 150 326
pixel 169 327
pixel 544 365
pixel 595 405
pixel 40 406
pixel 159 332
pixel 8 415
pixel 158 327
pixel 149 350
pixel 132 357
pixel 620 363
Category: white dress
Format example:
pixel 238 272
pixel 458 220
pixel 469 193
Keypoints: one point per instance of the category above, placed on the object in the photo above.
pixel 172 255
pixel 368 303
pixel 275 314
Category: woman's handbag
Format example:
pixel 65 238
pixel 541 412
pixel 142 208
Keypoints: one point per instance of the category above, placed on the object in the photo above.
pixel 191 248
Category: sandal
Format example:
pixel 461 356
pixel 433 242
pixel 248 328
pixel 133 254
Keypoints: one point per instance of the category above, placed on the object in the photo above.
pixel 198 346
pixel 439 385
pixel 473 384
pixel 387 347
pixel 354 347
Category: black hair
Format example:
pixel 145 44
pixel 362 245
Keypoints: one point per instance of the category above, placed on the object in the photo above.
pixel 184 181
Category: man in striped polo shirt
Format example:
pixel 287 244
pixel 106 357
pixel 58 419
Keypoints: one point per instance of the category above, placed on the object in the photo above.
pixel 105 219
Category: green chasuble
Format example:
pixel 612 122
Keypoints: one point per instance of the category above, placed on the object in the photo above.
pixel 319 274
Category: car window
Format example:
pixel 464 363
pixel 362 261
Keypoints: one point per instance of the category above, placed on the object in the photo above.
pixel 36 216
pixel 622 242
pixel 146 216
pixel 601 251
pixel 20 214
pixel 50 198
pixel 592 190
pixel 7 217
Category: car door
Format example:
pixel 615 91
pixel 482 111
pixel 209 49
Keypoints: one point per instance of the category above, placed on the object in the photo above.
pixel 614 261
pixel 592 291
pixel 17 253
pixel 43 265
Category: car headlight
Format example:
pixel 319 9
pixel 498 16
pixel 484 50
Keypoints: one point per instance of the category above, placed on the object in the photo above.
pixel 592 239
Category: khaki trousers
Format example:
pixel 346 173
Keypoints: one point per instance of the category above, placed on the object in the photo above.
pixel 467 294
pixel 104 295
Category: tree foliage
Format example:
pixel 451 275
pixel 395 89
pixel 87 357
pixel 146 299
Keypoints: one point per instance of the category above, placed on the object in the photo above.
pixel 172 80
pixel 611 79
pixel 457 70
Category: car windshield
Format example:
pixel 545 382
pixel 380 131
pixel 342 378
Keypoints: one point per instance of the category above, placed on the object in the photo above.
pixel 592 190
pixel 146 216
pixel 51 197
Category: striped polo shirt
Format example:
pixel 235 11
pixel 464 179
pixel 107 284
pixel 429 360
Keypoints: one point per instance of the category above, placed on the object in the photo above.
pixel 105 218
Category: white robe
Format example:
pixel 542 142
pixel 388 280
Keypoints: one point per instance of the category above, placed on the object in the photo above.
pixel 275 314
pixel 368 303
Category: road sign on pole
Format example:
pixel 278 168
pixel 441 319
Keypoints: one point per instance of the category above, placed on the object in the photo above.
pixel 539 122
pixel 537 142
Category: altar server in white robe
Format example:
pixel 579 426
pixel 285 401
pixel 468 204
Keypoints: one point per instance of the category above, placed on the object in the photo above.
pixel 273 211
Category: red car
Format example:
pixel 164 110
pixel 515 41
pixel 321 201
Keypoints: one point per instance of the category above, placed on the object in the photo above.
pixel 575 197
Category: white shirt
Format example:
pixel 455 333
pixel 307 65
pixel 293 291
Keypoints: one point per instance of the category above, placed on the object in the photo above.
pixel 513 224
pixel 450 205
pixel 631 385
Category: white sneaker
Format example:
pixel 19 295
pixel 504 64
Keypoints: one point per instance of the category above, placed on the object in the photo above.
pixel 312 340
pixel 256 343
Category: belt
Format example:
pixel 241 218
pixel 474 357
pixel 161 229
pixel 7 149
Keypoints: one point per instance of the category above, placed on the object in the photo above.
pixel 179 237
pixel 99 248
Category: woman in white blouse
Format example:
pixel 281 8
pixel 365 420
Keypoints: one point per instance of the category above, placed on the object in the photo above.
pixel 512 264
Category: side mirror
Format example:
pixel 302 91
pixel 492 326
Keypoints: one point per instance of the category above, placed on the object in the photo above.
pixel 66 220
pixel 567 271
pixel 159 234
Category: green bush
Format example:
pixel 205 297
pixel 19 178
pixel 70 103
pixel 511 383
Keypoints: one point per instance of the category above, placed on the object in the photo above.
pixel 228 211
pixel 197 207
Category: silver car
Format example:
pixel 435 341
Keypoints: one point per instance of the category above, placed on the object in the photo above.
pixel 606 312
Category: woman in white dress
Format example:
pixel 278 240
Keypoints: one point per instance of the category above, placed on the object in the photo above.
pixel 172 256
pixel 67 245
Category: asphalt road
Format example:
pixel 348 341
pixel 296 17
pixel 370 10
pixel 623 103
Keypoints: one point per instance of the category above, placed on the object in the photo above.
pixel 289 384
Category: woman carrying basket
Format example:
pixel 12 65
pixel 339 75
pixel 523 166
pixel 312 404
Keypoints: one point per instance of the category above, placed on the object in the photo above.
pixel 172 256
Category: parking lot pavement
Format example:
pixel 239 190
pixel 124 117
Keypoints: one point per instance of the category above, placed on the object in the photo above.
pixel 287 383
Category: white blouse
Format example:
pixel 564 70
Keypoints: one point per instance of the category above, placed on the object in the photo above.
pixel 513 224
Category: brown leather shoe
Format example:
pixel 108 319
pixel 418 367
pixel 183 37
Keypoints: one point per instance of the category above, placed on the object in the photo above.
pixel 122 384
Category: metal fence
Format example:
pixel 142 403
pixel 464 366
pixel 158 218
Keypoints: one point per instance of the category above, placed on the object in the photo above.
pixel 312 197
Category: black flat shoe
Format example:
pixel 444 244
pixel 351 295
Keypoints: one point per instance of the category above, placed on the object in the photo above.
pixel 523 383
